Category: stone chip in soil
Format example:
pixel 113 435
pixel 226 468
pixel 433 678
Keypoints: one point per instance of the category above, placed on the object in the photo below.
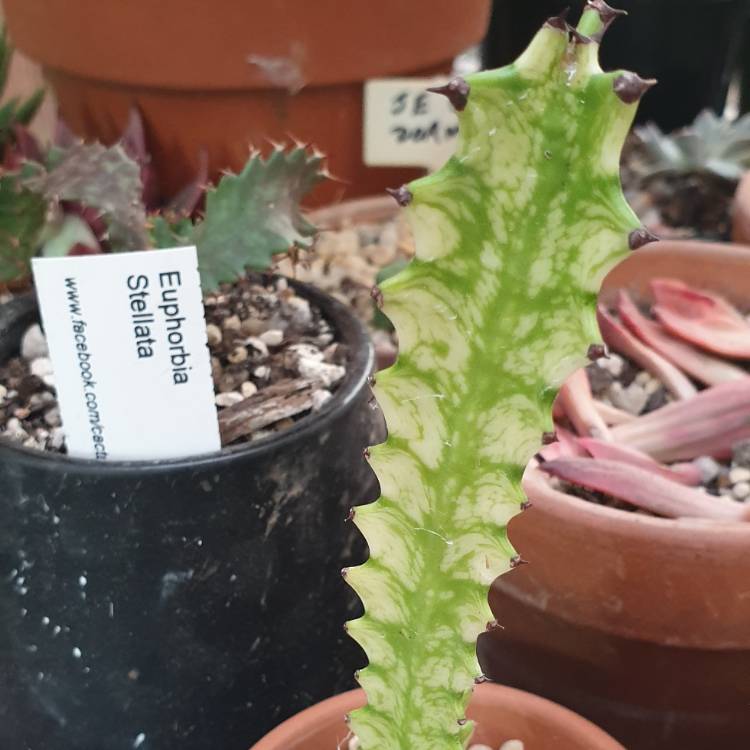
pixel 274 359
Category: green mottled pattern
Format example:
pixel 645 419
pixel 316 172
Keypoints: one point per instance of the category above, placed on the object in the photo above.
pixel 513 237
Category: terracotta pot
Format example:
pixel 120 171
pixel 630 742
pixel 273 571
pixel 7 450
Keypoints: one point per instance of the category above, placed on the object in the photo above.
pixel 228 73
pixel 641 624
pixel 500 712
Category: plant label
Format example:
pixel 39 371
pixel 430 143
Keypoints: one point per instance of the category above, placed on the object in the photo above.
pixel 127 340
pixel 406 125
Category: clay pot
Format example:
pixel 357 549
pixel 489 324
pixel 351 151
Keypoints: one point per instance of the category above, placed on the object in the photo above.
pixel 641 624
pixel 501 714
pixel 225 74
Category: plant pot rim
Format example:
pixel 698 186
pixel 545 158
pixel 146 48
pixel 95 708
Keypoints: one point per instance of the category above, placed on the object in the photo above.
pixel 347 325
pixel 212 47
pixel 652 257
pixel 529 705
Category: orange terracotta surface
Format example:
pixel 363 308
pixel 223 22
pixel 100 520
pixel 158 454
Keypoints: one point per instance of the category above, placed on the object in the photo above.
pixel 231 73
pixel 501 714
pixel 641 623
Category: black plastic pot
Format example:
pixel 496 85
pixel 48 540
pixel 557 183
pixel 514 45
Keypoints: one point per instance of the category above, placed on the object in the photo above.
pixel 189 604
pixel 689 46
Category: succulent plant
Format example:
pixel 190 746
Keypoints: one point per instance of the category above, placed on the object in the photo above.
pixel 103 178
pixel 14 112
pixel 684 340
pixel 710 145
pixel 97 197
pixel 513 237
pixel 252 216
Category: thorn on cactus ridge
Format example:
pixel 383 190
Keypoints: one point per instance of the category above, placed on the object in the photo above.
pixel 480 679
pixel 630 87
pixel 366 454
pixel 549 437
pixel 607 15
pixel 578 38
pixel 559 22
pixel 457 92
pixel 344 572
pixel 517 560
pixel 525 505
pixel 596 351
pixel 492 625
pixel 351 515
pixel 606 12
pixel 540 458
pixel 402 195
pixel 377 296
pixel 640 237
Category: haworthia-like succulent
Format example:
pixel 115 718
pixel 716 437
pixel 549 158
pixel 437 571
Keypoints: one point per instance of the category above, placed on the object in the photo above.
pixel 513 237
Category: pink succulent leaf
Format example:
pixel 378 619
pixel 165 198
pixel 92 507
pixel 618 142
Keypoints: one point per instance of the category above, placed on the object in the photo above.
pixel 623 454
pixel 552 451
pixel 690 472
pixel 189 198
pixel 644 489
pixel 701 318
pixel 709 424
pixel 571 446
pixel 133 142
pixel 612 415
pixel 618 338
pixel 701 366
pixel 579 406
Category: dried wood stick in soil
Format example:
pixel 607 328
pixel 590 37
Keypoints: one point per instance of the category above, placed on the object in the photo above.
pixel 282 400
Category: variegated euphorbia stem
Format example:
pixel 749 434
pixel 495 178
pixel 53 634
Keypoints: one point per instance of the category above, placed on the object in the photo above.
pixel 513 237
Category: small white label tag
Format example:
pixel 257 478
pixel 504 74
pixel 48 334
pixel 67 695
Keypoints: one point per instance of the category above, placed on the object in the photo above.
pixel 406 125
pixel 127 339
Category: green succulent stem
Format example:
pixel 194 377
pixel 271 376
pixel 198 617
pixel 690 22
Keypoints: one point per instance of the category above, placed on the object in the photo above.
pixel 513 238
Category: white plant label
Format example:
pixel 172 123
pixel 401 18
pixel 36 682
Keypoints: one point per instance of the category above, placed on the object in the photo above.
pixel 127 340
pixel 406 125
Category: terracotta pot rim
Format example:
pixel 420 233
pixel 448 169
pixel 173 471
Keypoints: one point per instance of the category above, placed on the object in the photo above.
pixel 564 506
pixel 307 721
pixel 238 45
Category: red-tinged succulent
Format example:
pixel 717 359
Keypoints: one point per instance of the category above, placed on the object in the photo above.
pixel 701 366
pixel 621 340
pixel 707 425
pixel 687 474
pixel 645 489
pixel 704 319
pixel 653 460
pixel 577 403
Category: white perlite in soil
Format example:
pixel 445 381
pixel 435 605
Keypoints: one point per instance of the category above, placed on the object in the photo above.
pixel 274 359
